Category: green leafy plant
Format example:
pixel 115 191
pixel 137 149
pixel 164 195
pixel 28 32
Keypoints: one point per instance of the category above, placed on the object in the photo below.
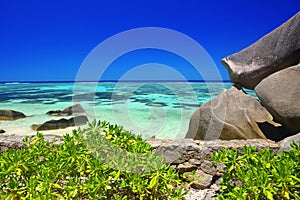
pixel 85 167
pixel 260 175
pixel 120 149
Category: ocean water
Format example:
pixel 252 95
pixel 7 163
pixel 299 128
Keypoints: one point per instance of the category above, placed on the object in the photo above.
pixel 144 108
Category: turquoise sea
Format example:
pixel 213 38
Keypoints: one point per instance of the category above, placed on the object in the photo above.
pixel 162 109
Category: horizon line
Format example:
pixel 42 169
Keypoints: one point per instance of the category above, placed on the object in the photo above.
pixel 115 81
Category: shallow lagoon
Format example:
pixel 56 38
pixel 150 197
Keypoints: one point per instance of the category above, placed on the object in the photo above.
pixel 160 109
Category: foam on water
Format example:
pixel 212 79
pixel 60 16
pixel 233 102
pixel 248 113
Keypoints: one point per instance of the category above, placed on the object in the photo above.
pixel 160 109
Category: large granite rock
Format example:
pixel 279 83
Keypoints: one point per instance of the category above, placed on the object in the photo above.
pixel 11 115
pixel 231 115
pixel 2 131
pixel 275 51
pixel 280 95
pixel 75 110
pixel 60 124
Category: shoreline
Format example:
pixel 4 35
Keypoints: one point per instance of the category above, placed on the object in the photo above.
pixel 58 132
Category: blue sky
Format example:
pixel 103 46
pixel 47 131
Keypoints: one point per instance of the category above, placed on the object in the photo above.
pixel 49 40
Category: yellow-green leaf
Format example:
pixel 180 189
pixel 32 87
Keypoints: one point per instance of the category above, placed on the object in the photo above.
pixel 285 194
pixel 153 182
pixel 108 137
pixel 269 195
pixel 57 185
pixel 18 171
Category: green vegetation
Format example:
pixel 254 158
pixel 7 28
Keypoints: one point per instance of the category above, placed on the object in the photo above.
pixel 105 161
pixel 260 175
pixel 102 161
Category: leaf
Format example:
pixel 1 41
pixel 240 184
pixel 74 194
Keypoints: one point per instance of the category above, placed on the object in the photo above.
pixel 123 184
pixel 109 137
pixel 57 186
pixel 153 182
pixel 117 175
pixel 19 171
pixel 268 194
pixel 74 192
pixel 285 194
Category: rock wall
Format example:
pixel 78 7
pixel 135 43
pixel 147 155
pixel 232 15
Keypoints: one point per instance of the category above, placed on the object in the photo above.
pixel 187 155
pixel 16 141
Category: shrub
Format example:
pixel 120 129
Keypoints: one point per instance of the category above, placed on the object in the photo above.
pixel 92 163
pixel 260 175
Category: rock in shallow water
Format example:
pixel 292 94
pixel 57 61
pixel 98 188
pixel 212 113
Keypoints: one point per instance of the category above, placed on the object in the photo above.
pixel 280 95
pixel 72 110
pixel 156 104
pixel 231 115
pixel 60 124
pixel 11 115
pixel 275 51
